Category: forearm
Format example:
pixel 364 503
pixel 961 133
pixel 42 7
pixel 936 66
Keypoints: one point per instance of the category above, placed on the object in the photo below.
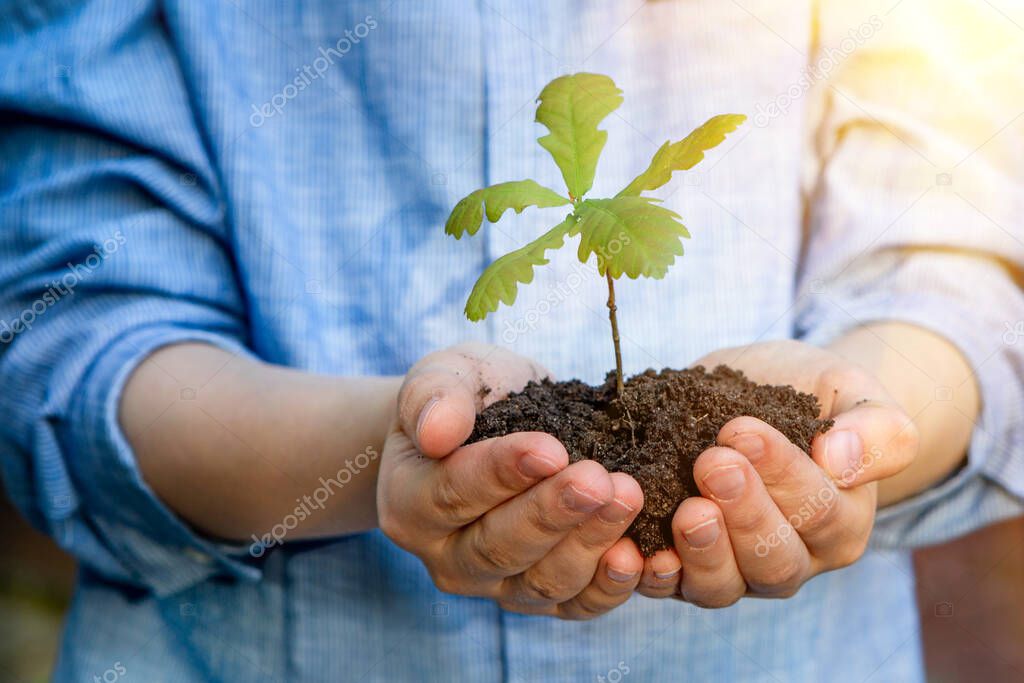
pixel 234 446
pixel 933 383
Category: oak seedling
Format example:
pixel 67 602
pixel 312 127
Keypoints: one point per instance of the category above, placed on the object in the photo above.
pixel 647 237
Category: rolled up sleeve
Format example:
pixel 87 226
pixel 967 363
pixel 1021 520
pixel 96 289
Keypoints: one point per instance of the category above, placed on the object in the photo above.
pixel 914 215
pixel 113 243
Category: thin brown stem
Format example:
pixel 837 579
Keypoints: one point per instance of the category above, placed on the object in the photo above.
pixel 615 334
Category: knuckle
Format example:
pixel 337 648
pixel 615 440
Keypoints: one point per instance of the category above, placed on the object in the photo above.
pixel 494 558
pixel 595 536
pixel 538 588
pixel 429 377
pixel 907 437
pixel 817 515
pixel 583 613
pixel 595 542
pixel 752 518
pixel 507 478
pixel 449 578
pixel 649 591
pixel 617 590
pixel 449 500
pixel 848 553
pixel 784 459
pixel 446 583
pixel 784 592
pixel 584 608
pixel 538 516
pixel 715 599
pixel 391 526
pixel 405 391
pixel 779 579
pixel 842 375
pixel 415 385
pixel 502 467
pixel 521 608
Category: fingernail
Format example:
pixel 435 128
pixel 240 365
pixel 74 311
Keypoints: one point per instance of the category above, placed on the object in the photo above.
pixel 702 535
pixel 666 575
pixel 533 466
pixel 620 577
pixel 425 414
pixel 750 445
pixel 726 482
pixel 843 451
pixel 578 500
pixel 615 512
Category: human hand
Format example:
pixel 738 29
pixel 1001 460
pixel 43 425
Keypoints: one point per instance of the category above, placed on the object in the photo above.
pixel 770 518
pixel 506 518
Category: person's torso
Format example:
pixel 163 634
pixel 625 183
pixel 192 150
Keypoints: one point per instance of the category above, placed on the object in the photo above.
pixel 343 133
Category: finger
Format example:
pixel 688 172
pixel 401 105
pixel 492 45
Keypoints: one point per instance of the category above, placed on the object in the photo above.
pixel 710 575
pixel 559 575
pixel 769 553
pixel 437 409
pixel 826 520
pixel 449 494
pixel 519 532
pixel 661 575
pixel 441 395
pixel 869 442
pixel 613 583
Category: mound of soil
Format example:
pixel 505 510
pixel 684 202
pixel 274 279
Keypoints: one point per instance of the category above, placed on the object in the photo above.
pixel 655 432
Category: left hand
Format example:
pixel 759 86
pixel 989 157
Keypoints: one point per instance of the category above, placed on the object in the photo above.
pixel 770 518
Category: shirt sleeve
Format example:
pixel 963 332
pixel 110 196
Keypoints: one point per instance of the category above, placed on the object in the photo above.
pixel 112 244
pixel 914 194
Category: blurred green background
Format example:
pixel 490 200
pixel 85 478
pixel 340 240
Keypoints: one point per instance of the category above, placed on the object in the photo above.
pixel 36 581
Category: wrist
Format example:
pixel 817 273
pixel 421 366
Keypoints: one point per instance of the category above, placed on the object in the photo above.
pixel 242 450
pixel 348 425
pixel 930 380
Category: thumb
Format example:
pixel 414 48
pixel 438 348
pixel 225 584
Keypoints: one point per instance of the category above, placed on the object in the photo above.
pixel 445 422
pixel 441 395
pixel 869 442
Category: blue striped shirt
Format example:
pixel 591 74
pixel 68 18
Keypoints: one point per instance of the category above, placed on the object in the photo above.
pixel 272 178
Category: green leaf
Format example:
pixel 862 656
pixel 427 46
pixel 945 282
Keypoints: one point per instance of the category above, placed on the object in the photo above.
pixel 499 283
pixel 468 214
pixel 571 107
pixel 684 154
pixel 630 235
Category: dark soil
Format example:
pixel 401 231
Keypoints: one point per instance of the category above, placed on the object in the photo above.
pixel 670 418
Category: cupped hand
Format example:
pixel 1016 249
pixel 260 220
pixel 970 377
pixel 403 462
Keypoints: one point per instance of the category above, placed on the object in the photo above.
pixel 769 518
pixel 506 518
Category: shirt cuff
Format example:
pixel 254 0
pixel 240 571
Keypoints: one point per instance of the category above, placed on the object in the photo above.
pixel 989 487
pixel 154 545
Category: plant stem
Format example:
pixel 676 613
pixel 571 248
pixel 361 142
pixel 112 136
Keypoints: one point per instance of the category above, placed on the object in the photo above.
pixel 615 334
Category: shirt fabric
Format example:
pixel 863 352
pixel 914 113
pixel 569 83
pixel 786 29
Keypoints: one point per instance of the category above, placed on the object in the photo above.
pixel 273 178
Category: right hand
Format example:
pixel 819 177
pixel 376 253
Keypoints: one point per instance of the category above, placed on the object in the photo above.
pixel 507 518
